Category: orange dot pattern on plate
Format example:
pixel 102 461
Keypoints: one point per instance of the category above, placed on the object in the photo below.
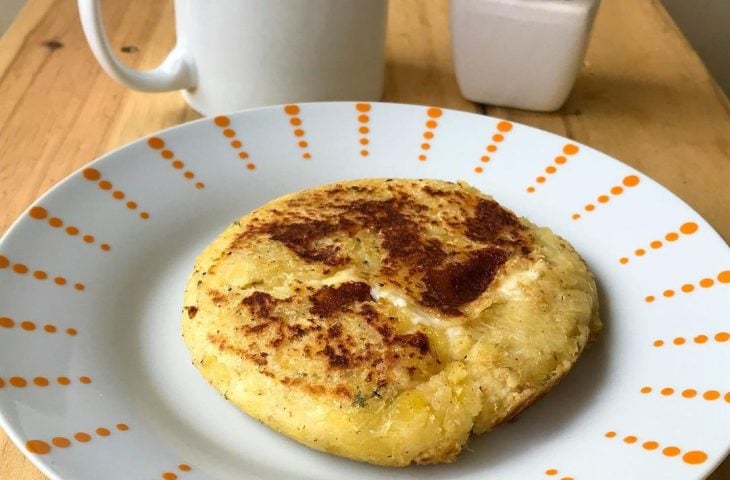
pixel 22 269
pixel 629 181
pixel 700 339
pixel 224 123
pixel 429 133
pixel 40 213
pixel 497 137
pixel 156 143
pixel 94 175
pixel 552 472
pixel 183 467
pixel 41 447
pixel 692 457
pixel 687 228
pixel 61 442
pixel 722 278
pixel 363 117
pixel 709 395
pixel 17 382
pixel 569 150
pixel 41 381
pixel 296 121
pixel 22 382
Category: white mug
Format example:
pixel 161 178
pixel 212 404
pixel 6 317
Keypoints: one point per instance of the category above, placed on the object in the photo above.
pixel 235 54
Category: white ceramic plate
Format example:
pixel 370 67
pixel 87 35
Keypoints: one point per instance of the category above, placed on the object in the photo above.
pixel 117 397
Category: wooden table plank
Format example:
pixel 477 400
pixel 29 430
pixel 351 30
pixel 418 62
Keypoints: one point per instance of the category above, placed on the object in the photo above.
pixel 91 113
pixel 419 67
pixel 643 97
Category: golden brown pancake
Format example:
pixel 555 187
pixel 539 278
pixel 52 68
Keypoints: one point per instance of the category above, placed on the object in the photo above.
pixel 385 320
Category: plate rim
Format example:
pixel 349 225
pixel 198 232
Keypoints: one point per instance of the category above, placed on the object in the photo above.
pixel 45 466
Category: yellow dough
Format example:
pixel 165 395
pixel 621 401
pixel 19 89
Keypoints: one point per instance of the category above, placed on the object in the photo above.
pixel 384 320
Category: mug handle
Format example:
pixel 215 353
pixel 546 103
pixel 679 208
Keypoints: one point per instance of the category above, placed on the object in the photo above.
pixel 175 73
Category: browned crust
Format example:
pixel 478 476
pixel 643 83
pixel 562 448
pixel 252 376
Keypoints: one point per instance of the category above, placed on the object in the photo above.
pixel 330 320
pixel 316 223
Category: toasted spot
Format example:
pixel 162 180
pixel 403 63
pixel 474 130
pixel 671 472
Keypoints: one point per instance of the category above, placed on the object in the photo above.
pixel 450 286
pixel 330 300
pixel 491 222
pixel 261 304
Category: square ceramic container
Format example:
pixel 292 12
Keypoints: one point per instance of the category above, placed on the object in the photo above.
pixel 520 53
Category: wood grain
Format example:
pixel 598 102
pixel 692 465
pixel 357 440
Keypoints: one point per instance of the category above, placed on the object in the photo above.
pixel 643 97
pixel 419 69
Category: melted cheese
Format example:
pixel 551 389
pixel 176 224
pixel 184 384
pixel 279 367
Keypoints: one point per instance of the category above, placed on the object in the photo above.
pixel 455 337
pixel 512 286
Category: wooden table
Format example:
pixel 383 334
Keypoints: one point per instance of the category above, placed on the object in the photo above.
pixel 643 97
